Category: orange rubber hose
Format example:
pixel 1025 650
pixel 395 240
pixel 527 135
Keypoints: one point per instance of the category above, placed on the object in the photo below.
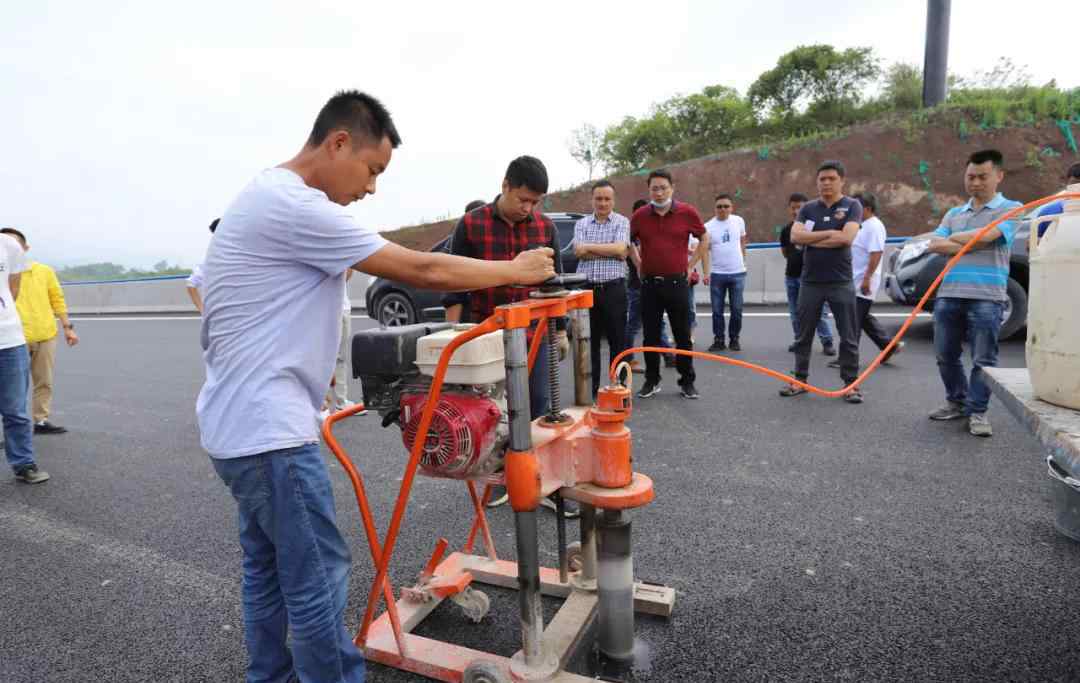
pixel 836 393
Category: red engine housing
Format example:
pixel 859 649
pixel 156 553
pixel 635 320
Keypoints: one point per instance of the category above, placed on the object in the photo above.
pixel 461 435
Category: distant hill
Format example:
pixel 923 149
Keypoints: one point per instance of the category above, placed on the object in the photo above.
pixel 913 163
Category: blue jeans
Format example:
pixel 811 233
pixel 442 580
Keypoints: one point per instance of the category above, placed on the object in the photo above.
pixel 14 394
pixel 976 322
pixel 823 330
pixel 633 320
pixel 730 286
pixel 296 568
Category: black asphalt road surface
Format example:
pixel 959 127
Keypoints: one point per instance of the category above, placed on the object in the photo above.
pixel 807 539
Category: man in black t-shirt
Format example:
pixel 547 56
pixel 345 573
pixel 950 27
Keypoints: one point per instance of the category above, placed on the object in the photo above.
pixel 826 227
pixel 793 274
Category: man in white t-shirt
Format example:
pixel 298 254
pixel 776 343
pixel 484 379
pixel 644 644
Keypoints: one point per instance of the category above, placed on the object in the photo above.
pixel 725 264
pixel 866 253
pixel 274 277
pixel 15 368
pixel 195 280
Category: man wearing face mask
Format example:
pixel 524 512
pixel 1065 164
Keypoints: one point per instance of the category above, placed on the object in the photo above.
pixel 664 228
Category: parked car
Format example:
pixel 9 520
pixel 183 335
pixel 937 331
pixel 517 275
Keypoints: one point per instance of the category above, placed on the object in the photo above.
pixel 911 270
pixel 395 303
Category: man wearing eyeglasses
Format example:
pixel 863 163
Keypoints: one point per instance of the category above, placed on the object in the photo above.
pixel 664 228
pixel 725 268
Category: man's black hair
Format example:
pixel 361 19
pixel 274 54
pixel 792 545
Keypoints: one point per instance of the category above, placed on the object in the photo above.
pixel 364 117
pixel 213 225
pixel 14 232
pixel 602 183
pixel 474 204
pixel 638 203
pixel 832 165
pixel 528 172
pixel 660 173
pixel 1074 172
pixel 985 155
pixel 868 200
pixel 723 195
pixel 797 197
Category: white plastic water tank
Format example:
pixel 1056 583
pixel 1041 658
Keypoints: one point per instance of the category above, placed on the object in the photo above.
pixel 1053 343
pixel 479 361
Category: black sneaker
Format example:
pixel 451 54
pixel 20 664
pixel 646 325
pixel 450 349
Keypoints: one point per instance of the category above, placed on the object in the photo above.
pixel 46 427
pixel 689 391
pixel 835 363
pixel 31 474
pixel 735 345
pixel 828 349
pixel 854 396
pixel 648 390
pixel 717 345
pixel 791 348
pixel 896 349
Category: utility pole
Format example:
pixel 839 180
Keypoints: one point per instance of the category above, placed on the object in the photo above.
pixel 936 59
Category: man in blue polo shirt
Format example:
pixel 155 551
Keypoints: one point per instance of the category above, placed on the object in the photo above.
pixel 970 303
pixel 826 227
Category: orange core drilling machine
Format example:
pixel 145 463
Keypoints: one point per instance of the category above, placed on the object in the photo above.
pixel 460 394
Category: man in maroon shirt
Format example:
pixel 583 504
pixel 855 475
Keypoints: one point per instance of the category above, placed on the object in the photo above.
pixel 663 229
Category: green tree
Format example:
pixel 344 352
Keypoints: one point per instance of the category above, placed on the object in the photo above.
pixel 584 145
pixel 903 86
pixel 817 78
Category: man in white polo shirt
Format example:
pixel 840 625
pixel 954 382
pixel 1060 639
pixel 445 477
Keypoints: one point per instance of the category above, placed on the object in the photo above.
pixel 15 368
pixel 274 282
pixel 725 264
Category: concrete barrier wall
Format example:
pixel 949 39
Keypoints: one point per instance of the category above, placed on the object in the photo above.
pixel 764 285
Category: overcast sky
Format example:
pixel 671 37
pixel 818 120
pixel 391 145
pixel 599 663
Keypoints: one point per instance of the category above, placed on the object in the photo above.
pixel 128 126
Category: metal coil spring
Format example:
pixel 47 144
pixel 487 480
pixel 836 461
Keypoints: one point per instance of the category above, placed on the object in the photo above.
pixel 553 370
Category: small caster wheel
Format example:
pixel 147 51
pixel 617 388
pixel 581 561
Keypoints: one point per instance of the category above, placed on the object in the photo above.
pixel 573 556
pixel 482 671
pixel 475 604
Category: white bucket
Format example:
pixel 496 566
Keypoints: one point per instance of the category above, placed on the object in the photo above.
pixel 1053 342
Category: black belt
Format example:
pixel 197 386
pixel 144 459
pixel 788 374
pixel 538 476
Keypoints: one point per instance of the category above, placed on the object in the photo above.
pixel 605 285
pixel 660 279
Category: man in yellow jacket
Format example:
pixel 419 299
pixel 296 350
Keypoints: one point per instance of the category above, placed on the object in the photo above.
pixel 40 303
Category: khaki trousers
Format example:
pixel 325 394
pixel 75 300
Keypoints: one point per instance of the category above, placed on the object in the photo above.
pixel 42 361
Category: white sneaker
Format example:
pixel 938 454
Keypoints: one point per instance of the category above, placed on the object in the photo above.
pixel 323 414
pixel 349 404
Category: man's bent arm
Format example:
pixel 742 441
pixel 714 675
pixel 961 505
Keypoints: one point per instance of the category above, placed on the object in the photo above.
pixel 13 285
pixel 193 292
pixel 800 235
pixel 609 250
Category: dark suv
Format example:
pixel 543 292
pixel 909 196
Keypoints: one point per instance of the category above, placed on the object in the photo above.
pixel 396 303
pixel 911 270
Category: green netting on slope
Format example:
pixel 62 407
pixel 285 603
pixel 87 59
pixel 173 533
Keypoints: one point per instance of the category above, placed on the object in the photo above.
pixel 924 173
pixel 1065 126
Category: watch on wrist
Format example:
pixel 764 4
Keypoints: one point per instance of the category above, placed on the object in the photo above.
pixel 70 326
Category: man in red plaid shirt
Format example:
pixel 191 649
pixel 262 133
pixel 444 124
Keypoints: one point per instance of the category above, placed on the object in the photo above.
pixel 499 231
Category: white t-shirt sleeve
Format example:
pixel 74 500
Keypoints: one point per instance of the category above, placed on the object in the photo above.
pixel 195 280
pixel 326 237
pixel 742 226
pixel 13 254
pixel 877 237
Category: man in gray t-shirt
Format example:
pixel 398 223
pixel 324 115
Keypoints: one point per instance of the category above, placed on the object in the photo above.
pixel 273 276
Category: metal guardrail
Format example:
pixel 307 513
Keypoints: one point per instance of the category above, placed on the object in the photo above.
pixel 164 294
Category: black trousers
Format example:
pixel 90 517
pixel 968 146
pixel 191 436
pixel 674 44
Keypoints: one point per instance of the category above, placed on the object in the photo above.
pixel 670 295
pixel 607 320
pixel 841 299
pixel 866 322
